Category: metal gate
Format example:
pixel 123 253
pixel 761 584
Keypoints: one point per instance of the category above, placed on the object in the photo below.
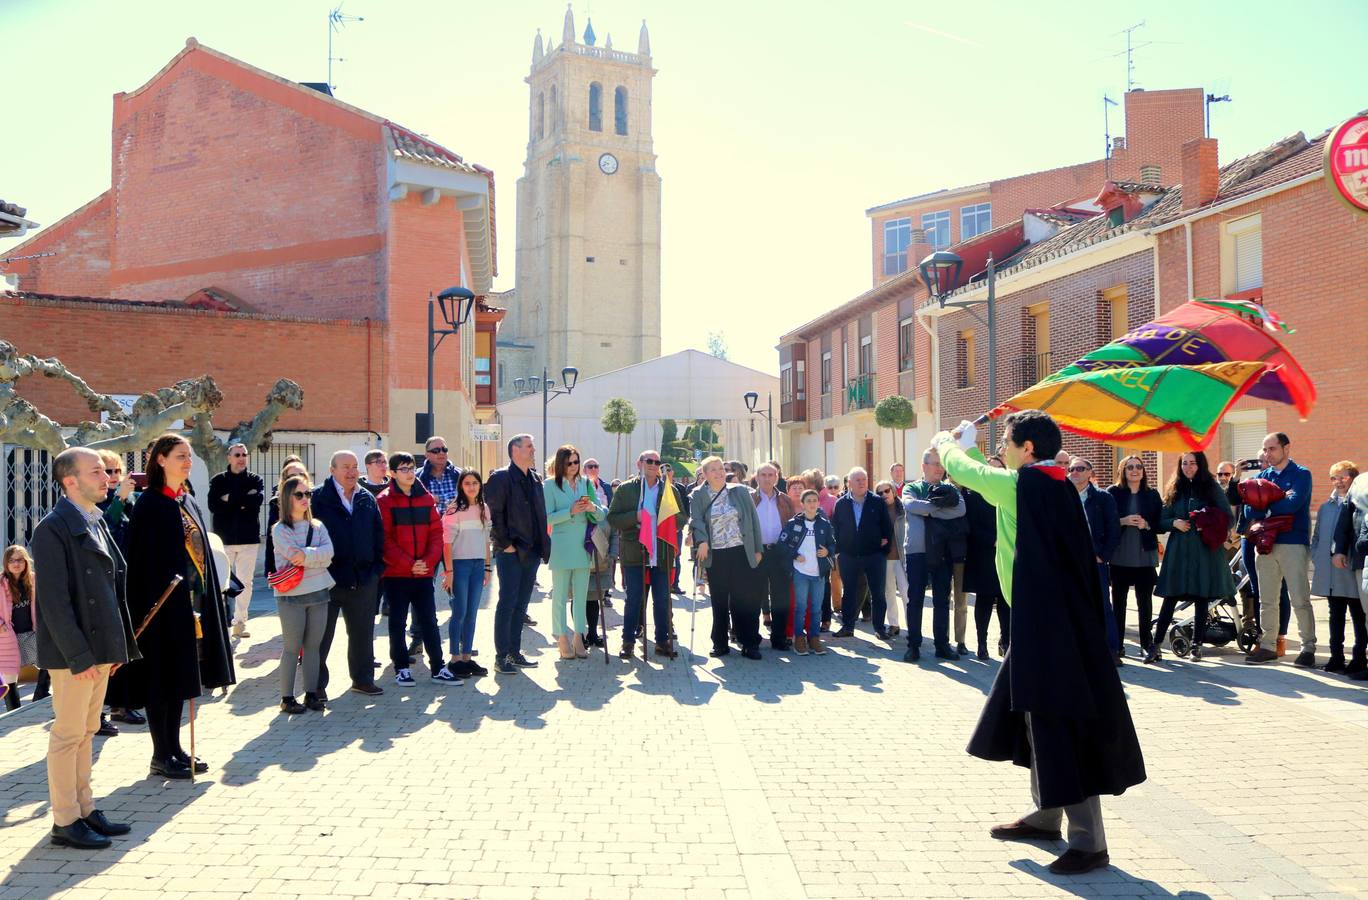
pixel 28 493
pixel 269 464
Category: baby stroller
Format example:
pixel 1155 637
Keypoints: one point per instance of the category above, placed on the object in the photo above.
pixel 1225 622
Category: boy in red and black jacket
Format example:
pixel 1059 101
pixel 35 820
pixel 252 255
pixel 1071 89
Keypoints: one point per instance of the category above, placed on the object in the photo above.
pixel 413 547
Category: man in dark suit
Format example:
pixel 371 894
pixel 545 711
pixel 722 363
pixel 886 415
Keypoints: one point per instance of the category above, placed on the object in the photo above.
pixel 864 531
pixel 1105 524
pixel 84 633
pixel 517 511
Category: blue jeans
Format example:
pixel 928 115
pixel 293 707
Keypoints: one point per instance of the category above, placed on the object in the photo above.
pixel 807 604
pixel 633 578
pixel 874 567
pixel 467 589
pixel 517 578
pixel 939 577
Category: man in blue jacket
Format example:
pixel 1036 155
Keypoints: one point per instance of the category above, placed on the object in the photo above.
pixel 1099 507
pixel 352 517
pixel 864 532
pixel 1291 553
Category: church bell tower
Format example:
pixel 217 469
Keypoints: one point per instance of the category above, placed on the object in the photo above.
pixel 588 230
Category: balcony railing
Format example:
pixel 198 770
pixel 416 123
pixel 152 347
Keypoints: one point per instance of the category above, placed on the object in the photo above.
pixel 860 392
pixel 1032 369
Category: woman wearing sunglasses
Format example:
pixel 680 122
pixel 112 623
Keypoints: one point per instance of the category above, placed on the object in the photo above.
pixel 1137 555
pixel 571 505
pixel 300 541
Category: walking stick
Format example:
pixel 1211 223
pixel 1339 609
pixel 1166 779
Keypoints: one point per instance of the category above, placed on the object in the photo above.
pixel 693 613
pixel 156 607
pixel 645 593
pixel 192 740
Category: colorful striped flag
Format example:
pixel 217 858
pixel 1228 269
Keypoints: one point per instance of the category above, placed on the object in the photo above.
pixel 1167 384
pixel 659 527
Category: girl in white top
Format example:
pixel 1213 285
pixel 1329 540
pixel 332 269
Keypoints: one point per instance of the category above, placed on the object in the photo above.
pixel 465 570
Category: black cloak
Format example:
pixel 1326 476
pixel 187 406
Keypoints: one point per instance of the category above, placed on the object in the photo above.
pixel 1059 668
pixel 173 667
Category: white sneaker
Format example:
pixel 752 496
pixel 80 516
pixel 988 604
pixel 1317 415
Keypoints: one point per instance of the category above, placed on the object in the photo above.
pixel 404 678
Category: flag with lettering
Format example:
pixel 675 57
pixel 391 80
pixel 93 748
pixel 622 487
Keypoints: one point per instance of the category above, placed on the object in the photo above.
pixel 1166 384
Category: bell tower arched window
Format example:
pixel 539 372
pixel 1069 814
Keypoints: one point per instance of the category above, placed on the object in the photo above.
pixel 554 122
pixel 620 110
pixel 540 130
pixel 595 107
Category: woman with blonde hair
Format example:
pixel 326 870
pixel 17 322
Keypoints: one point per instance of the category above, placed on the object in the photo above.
pixel 571 506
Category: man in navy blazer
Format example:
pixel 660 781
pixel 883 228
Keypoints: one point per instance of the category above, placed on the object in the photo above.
pixel 1105 524
pixel 864 532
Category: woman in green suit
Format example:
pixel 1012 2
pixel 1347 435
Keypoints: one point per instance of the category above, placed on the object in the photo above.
pixel 571 506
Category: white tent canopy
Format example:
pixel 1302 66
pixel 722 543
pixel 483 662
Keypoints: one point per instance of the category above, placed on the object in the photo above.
pixel 684 386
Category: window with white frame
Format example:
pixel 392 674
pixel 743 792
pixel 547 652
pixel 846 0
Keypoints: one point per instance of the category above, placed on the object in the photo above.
pixel 800 379
pixel 975 219
pixel 1246 246
pixel 906 338
pixel 897 237
pixel 826 372
pixel 866 354
pixel 785 383
pixel 937 228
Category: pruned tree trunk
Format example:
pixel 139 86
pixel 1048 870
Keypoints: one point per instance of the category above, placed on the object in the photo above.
pixel 192 401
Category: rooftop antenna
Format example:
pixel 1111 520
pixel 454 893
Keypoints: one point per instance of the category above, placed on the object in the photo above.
pixel 1107 104
pixel 1210 99
pixel 1131 47
pixel 336 21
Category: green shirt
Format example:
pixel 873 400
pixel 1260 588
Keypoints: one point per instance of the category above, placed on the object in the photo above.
pixel 998 487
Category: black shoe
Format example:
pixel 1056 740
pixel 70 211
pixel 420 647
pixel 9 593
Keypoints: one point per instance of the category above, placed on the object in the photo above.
pixel 128 716
pixel 628 650
pixel 946 652
pixel 1262 655
pixel 292 706
pixel 528 620
pixel 1196 653
pixel 377 664
pixel 1153 655
pixel 504 666
pixel 1334 664
pixel 912 655
pixel 174 769
pixel 98 823
pixel 1356 664
pixel 781 645
pixel 1306 659
pixel 720 651
pixel 1360 675
pixel 1076 862
pixel 983 651
pixel 1020 831
pixel 751 653
pixel 845 633
pixel 474 669
pixel 677 590
pixel 200 765
pixel 107 728
pixel 78 835
pixel 522 662
pixel 606 602
pixel 882 634
pixel 314 702
pixel 367 690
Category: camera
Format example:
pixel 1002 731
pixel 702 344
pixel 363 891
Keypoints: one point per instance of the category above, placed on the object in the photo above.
pixel 1250 465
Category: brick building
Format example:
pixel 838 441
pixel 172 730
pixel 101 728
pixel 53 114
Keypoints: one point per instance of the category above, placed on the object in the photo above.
pixel 1263 227
pixel 256 228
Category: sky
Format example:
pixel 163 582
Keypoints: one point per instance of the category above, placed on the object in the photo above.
pixel 776 124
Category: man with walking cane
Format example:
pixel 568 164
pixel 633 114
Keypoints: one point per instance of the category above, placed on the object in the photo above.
pixel 84 633
pixel 643 509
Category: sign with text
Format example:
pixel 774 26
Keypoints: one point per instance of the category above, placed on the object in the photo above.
pixel 1346 162
pixel 486 431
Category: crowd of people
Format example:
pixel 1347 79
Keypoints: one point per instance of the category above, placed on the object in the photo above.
pixel 134 599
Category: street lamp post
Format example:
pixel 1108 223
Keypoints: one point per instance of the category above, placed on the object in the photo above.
pixel 456 304
pixel 549 392
pixel 751 398
pixel 940 272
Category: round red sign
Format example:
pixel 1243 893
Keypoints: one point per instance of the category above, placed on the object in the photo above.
pixel 1346 162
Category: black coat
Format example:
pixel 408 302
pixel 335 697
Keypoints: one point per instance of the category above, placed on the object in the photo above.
pixel 173 667
pixel 1059 668
pixel 82 614
pixel 1351 531
pixel 237 519
pixel 876 525
pixel 1151 509
pixel 1103 521
pixel 517 508
pixel 358 537
pixel 980 563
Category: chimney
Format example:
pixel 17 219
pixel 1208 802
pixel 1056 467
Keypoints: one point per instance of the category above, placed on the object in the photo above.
pixel 1150 174
pixel 1201 172
pixel 918 249
pixel 1118 143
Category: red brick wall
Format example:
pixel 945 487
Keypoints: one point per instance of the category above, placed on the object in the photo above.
pixel 1315 251
pixel 1079 322
pixel 80 244
pixel 885 351
pixel 425 247
pixel 105 344
pixel 1158 123
pixel 225 177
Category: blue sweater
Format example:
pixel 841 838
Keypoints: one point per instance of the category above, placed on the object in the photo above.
pixel 1297 482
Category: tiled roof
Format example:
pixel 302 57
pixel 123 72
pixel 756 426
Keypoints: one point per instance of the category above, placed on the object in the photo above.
pixel 1138 187
pixel 12 209
pixel 1290 158
pixel 210 299
pixel 416 148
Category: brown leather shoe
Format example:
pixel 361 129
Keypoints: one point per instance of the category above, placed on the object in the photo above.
pixel 1282 647
pixel 628 650
pixel 816 646
pixel 800 645
pixel 1020 831
pixel 665 649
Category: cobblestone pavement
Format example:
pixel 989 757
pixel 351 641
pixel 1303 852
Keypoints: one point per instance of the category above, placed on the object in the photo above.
pixel 835 776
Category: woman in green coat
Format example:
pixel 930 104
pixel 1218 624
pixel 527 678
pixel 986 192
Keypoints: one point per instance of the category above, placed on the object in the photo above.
pixel 1191 570
pixel 571 505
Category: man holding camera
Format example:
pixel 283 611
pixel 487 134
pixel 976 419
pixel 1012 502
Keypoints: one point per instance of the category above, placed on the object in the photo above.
pixel 1288 558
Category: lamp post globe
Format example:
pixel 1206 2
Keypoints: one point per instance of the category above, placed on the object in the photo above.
pixel 940 272
pixel 457 304
pixel 751 398
pixel 569 376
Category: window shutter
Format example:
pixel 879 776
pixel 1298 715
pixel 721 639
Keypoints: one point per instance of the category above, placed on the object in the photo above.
pixel 1249 260
pixel 1246 438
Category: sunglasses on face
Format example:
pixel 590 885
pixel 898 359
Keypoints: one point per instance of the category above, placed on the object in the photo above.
pixel 301 495
pixel 651 462
pixel 113 471
pixel 437 449
pixel 238 455
pixel 1132 467
pixel 572 462
pixel 885 492
pixel 592 466
pixel 1078 469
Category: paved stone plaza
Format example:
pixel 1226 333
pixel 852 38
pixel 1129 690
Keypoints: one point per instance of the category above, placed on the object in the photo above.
pixel 835 776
